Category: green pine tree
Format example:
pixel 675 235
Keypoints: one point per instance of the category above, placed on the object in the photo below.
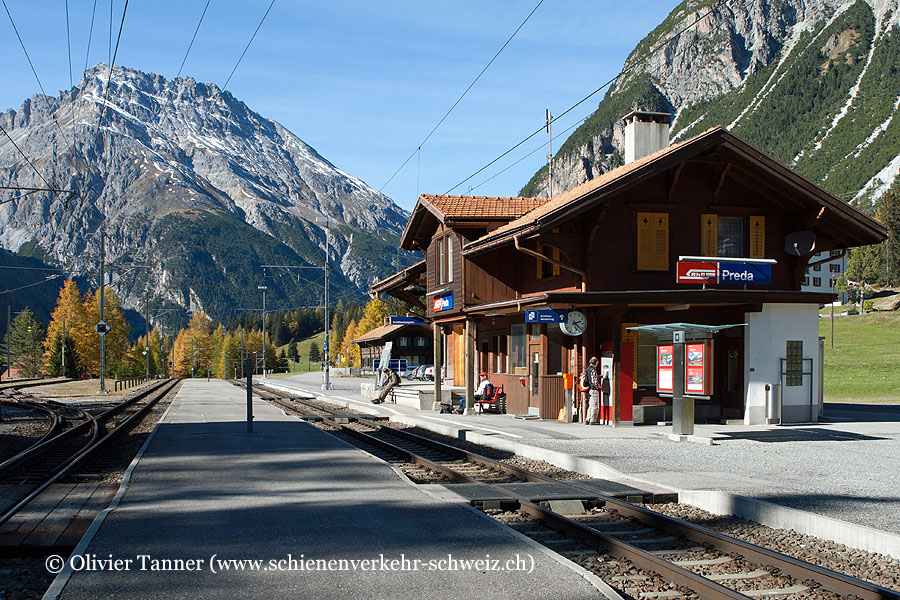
pixel 54 360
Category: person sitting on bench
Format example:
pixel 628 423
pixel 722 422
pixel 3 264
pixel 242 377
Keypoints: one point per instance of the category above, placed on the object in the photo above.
pixel 484 392
pixel 393 380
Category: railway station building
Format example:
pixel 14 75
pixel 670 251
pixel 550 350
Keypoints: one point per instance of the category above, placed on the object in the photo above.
pixel 709 236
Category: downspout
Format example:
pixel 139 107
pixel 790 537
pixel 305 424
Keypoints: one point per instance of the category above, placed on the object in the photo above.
pixel 561 265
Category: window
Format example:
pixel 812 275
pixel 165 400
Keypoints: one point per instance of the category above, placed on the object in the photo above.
pixel 834 268
pixel 652 241
pixel 806 281
pixel 518 355
pixel 544 268
pixel 645 369
pixel 421 342
pixel 817 267
pixel 404 341
pixel 730 239
pixel 817 281
pixel 836 252
pixel 445 259
pixel 498 344
pixel 728 236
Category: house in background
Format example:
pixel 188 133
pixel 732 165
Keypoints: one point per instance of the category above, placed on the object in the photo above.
pixel 709 233
pixel 824 271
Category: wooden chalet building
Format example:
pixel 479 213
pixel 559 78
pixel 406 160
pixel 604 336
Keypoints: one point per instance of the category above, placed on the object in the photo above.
pixel 609 249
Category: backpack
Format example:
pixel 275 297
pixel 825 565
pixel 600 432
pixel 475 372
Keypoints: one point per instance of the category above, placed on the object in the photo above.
pixel 584 382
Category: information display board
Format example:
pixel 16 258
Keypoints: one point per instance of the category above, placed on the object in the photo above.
pixel 695 366
pixel 665 356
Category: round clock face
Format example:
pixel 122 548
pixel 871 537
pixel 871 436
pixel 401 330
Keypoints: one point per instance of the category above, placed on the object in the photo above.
pixel 576 324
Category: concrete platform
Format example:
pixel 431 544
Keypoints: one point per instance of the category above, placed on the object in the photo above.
pixel 207 491
pixel 835 479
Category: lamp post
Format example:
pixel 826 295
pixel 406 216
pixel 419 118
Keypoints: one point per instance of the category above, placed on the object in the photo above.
pixel 327 383
pixel 264 288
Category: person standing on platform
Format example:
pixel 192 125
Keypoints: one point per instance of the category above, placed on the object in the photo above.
pixel 593 411
pixel 393 380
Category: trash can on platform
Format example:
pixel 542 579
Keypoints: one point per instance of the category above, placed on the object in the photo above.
pixel 773 404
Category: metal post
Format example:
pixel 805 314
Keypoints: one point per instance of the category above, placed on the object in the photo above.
pixel 470 364
pixel 63 348
pixel 550 151
pixel 263 288
pixel 8 327
pixel 327 383
pixel 438 366
pixel 682 408
pixel 192 358
pixel 102 389
pixel 243 358
pixel 249 372
pixel 147 330
pixel 224 361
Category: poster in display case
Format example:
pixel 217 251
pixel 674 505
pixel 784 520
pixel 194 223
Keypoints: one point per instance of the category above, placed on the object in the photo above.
pixel 695 368
pixel 664 362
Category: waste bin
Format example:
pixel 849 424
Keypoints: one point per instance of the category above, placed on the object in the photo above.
pixel 773 404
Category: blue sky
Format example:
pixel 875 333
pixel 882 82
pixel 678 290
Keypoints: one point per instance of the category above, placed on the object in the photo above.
pixel 362 82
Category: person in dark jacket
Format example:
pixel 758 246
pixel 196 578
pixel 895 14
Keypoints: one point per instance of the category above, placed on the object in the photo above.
pixel 393 380
pixel 593 412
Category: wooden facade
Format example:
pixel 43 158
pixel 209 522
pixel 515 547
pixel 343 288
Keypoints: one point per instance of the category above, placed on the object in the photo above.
pixel 611 249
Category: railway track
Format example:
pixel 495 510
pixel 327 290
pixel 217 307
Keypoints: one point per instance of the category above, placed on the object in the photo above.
pixel 643 553
pixel 74 443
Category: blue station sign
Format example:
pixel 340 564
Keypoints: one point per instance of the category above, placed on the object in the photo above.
pixel 737 273
pixel 443 302
pixel 395 320
pixel 546 315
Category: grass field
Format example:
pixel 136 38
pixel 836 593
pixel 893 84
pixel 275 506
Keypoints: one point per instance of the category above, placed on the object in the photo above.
pixel 864 365
pixel 305 365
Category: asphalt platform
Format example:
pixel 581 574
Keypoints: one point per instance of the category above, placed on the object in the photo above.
pixel 207 494
pixel 844 467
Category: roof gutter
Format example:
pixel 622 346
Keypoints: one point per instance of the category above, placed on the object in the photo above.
pixel 559 264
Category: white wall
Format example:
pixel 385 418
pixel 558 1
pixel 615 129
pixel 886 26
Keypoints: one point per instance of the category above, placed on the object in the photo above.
pixel 764 345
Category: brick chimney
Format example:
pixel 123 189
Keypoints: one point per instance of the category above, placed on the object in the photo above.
pixel 645 133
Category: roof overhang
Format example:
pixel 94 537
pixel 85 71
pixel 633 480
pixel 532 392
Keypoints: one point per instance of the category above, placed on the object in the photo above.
pixel 407 285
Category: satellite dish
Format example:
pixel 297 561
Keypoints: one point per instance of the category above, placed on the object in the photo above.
pixel 800 242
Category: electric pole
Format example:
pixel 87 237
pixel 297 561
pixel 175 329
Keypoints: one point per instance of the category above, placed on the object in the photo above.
pixel 102 324
pixel 549 118
pixel 327 384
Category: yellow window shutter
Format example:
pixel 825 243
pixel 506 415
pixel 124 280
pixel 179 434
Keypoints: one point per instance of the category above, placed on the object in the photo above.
pixel 540 263
pixel 757 237
pixel 660 241
pixel 644 241
pixel 709 235
pixel 556 258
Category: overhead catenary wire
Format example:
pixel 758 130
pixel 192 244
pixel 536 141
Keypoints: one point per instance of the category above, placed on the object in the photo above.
pixel 463 95
pixel 191 45
pixel 624 71
pixel 253 37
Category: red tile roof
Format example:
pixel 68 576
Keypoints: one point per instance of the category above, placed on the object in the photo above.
pixel 482 207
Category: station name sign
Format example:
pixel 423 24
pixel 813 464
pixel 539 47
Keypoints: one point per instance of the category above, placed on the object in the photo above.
pixel 728 273
pixel 396 320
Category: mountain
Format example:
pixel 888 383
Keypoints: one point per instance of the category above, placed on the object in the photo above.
pixel 196 186
pixel 815 83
